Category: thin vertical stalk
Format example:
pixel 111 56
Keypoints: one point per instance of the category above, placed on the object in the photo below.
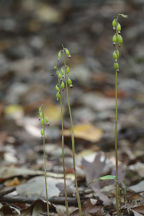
pixel 63 160
pixel 45 170
pixel 73 150
pixel 72 139
pixel 116 148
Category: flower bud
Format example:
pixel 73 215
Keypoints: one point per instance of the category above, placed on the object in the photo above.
pixel 62 71
pixel 119 39
pixel 67 70
pixel 59 54
pixel 114 23
pixel 58 95
pixel 115 54
pixel 46 120
pixel 42 121
pixel 114 39
pixel 62 85
pixel 67 52
pixel 59 76
pixel 116 66
pixel 118 27
pixel 69 82
pixel 42 131
pixel 57 88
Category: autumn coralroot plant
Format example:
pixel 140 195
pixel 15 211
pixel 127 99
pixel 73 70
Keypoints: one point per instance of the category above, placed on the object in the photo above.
pixel 64 82
pixel 117 42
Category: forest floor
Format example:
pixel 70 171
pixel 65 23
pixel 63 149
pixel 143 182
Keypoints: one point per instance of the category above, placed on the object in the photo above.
pixel 29 42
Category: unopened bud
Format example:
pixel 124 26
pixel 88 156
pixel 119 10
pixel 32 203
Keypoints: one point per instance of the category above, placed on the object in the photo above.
pixel 42 132
pixel 59 54
pixel 114 23
pixel 116 66
pixel 67 52
pixel 62 71
pixel 58 95
pixel 118 27
pixel 69 82
pixel 119 39
pixel 59 76
pixel 67 70
pixel 62 85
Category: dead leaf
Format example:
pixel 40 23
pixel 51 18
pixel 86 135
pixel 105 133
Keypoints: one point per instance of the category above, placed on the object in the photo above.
pixel 48 13
pixel 85 131
pixel 90 208
pixel 139 209
pixel 10 172
pixel 35 187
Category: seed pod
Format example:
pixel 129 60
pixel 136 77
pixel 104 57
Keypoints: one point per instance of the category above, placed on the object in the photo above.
pixel 59 76
pixel 46 120
pixel 119 39
pixel 62 71
pixel 59 54
pixel 67 70
pixel 58 95
pixel 116 66
pixel 114 23
pixel 42 122
pixel 114 39
pixel 69 82
pixel 62 85
pixel 118 27
pixel 115 54
pixel 57 88
pixel 67 52
pixel 42 131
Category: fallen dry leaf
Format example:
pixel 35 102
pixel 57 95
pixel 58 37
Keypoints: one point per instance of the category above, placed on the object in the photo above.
pixel 91 208
pixel 85 131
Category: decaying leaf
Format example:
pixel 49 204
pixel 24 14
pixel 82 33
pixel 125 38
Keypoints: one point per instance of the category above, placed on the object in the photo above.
pixel 91 208
pixel 86 131
pixel 35 187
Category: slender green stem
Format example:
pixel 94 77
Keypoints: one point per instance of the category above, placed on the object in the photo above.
pixel 73 143
pixel 63 160
pixel 45 171
pixel 116 149
pixel 73 150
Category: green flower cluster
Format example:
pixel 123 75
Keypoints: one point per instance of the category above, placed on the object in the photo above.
pixel 43 121
pixel 117 41
pixel 62 74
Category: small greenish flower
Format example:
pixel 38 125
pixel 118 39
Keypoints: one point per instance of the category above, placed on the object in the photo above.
pixel 67 70
pixel 42 131
pixel 57 88
pixel 114 39
pixel 41 114
pixel 114 23
pixel 119 39
pixel 118 27
pixel 59 54
pixel 115 54
pixel 67 52
pixel 62 85
pixel 46 120
pixel 116 66
pixel 42 122
pixel 59 76
pixel 69 82
pixel 62 71
pixel 58 95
